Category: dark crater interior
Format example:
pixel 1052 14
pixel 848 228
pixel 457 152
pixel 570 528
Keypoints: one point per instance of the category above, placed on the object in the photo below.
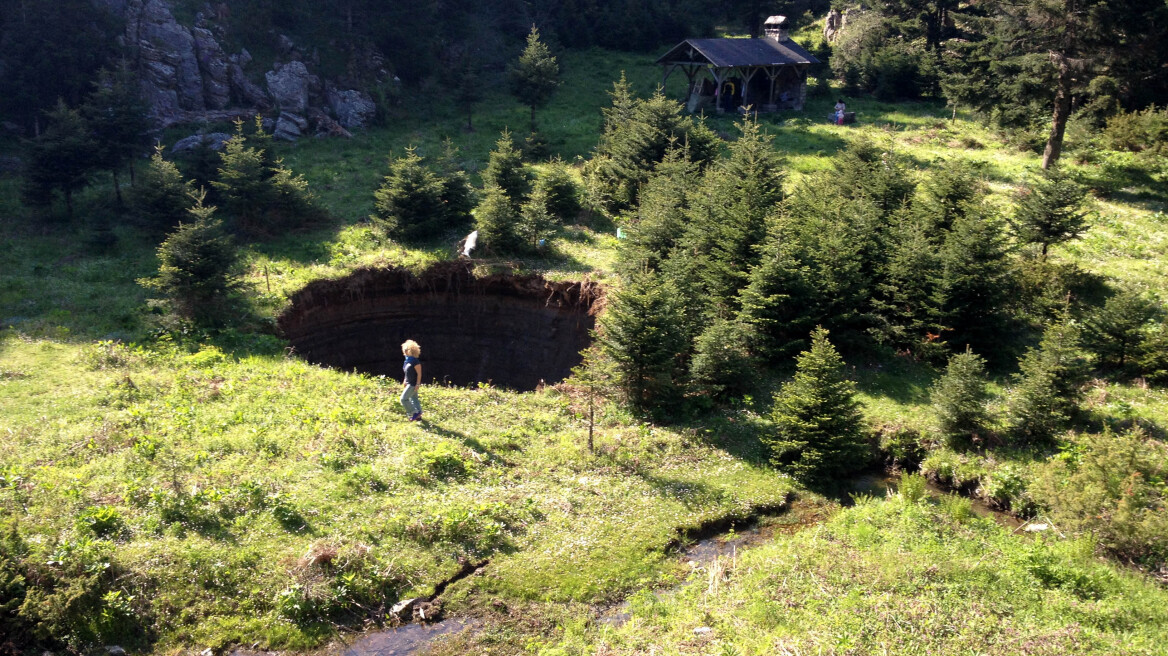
pixel 511 331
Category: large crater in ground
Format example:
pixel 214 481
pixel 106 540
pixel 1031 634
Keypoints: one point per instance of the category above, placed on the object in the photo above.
pixel 511 331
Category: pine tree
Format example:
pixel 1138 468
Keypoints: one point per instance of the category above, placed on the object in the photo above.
pixel 728 219
pixel 261 194
pixel 562 192
pixel 458 199
pixel 722 363
pixel 60 159
pixel 1116 332
pixel 1050 210
pixel 951 190
pixel 1047 388
pixel 865 170
pixel 537 223
pixel 116 117
pixel 409 202
pixel 197 265
pixel 636 136
pixel 907 305
pixel 959 399
pixel 976 281
pixel 161 198
pixel 506 171
pixel 662 212
pixel 535 75
pixel 819 430
pixel 243 181
pixel 498 222
pixel 641 332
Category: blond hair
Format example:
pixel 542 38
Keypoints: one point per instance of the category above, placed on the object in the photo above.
pixel 410 347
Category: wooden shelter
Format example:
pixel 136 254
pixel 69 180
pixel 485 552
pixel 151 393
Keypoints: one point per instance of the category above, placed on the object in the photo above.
pixel 766 74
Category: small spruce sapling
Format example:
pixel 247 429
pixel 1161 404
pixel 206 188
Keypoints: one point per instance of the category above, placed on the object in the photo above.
pixel 959 400
pixel 819 430
pixel 642 331
pixel 1047 387
pixel 197 266
pixel 1050 210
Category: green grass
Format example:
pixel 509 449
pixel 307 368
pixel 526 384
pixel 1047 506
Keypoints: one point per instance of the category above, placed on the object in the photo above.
pixel 225 475
pixel 896 577
pixel 212 479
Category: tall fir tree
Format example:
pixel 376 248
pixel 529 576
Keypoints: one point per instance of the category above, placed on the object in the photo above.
pixel 730 213
pixel 976 281
pixel 818 427
pixel 641 331
pixel 116 116
pixel 60 159
pixel 535 76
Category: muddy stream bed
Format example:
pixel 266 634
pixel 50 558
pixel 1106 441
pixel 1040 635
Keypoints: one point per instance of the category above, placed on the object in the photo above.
pixel 702 549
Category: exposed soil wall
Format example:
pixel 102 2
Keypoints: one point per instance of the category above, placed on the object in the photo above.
pixel 512 331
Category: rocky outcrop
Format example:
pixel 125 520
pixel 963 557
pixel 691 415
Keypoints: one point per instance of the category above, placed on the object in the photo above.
pixel 833 24
pixel 214 141
pixel 213 66
pixel 290 127
pixel 186 76
pixel 167 63
pixel 324 125
pixel 289 85
pixel 353 109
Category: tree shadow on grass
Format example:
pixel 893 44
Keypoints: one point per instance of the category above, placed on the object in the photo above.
pixel 474 443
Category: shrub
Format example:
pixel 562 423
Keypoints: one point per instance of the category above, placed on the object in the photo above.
pixel 1141 131
pixel 900 445
pixel 103 521
pixel 911 487
pixel 1005 487
pixel 1113 487
pixel 437 461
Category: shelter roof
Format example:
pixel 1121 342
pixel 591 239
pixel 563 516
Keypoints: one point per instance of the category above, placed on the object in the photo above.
pixel 763 51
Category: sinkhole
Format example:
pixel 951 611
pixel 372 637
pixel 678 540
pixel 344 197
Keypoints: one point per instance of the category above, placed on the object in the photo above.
pixel 508 330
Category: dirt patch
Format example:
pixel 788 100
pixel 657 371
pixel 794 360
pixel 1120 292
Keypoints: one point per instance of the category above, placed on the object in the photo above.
pixel 508 330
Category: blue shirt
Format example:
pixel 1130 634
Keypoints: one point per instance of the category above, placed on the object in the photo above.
pixel 409 370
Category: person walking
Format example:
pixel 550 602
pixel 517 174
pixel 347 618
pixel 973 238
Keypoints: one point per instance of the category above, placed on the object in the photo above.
pixel 413 377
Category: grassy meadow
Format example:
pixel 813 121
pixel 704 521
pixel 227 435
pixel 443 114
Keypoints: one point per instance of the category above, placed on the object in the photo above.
pixel 203 489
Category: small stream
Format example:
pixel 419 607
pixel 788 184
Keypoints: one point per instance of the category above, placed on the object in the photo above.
pixel 795 516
